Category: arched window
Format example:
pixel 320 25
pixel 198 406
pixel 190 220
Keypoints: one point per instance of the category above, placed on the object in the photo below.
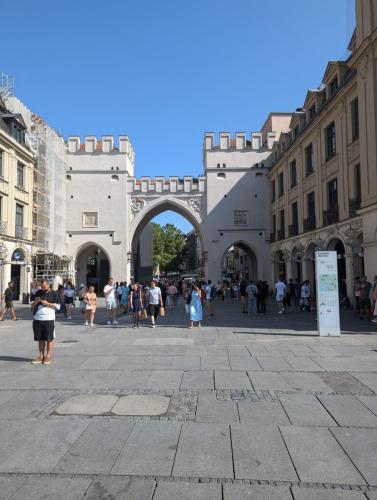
pixel 115 177
pixel 221 175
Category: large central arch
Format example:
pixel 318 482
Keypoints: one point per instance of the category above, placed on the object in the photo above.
pixel 156 207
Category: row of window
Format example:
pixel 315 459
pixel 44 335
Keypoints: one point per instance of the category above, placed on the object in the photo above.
pixel 330 139
pixel 19 216
pixel 20 171
pixel 330 216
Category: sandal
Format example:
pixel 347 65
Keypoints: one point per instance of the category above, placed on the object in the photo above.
pixel 47 361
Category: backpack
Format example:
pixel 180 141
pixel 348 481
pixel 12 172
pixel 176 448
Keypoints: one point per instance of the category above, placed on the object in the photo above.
pixel 213 291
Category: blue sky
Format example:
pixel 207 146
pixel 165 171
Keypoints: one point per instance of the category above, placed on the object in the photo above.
pixel 166 72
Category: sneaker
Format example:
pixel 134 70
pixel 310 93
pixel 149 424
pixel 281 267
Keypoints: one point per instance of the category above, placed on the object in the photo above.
pixel 91 324
pixel 86 323
pixel 134 326
pixel 115 323
pixel 280 312
pixel 109 322
pixel 69 317
pixel 37 361
pixel 374 320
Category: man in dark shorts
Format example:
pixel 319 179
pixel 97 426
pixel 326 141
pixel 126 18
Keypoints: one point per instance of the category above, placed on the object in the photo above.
pixel 8 296
pixel 45 304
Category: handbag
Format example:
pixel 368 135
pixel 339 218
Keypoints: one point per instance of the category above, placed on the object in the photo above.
pixel 88 307
pixel 143 314
pixel 162 311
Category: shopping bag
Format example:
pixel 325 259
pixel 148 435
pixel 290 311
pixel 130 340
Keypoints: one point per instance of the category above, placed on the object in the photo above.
pixel 143 314
pixel 162 311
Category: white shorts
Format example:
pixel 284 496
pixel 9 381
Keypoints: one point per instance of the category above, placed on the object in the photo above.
pixel 111 305
pixel 279 298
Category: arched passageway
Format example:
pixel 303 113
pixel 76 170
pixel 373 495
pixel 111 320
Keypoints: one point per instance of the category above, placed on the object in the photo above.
pixel 141 239
pixel 239 263
pixel 92 267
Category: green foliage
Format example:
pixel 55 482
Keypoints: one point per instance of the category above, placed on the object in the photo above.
pixel 169 250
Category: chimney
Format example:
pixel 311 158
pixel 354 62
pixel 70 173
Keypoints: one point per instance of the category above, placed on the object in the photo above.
pixel 224 140
pixel 240 140
pixel 208 140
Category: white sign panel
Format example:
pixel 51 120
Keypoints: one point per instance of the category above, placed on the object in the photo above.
pixel 326 266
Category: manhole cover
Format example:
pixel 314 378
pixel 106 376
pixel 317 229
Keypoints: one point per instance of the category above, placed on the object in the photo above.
pixel 69 341
pixel 137 405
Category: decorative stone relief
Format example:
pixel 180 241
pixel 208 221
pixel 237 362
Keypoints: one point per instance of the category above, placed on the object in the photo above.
pixel 195 204
pixel 137 204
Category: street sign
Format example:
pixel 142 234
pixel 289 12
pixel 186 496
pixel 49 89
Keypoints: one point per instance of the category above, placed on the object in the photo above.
pixel 326 265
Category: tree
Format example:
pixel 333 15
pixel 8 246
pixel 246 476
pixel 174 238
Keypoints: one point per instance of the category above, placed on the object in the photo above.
pixel 169 249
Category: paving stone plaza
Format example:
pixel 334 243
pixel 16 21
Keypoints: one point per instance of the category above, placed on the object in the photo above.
pixel 244 407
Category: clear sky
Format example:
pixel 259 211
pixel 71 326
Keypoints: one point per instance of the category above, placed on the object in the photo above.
pixel 166 72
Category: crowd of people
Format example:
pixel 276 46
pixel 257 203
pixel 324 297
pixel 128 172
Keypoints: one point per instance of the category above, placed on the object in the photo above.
pixel 147 301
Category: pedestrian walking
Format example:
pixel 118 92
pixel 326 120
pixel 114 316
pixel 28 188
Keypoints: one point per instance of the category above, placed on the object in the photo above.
pixel 195 301
pixel 305 296
pixel 125 297
pixel 364 289
pixel 136 304
pixel 90 301
pixel 111 302
pixel 154 299
pixel 45 304
pixel 8 298
pixel 251 292
pixel 280 290
pixel 243 296
pixel 69 294
pixel 210 294
pixel 172 295
pixel 81 295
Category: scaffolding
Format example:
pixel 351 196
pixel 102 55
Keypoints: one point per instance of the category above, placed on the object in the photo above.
pixel 49 194
pixel 6 85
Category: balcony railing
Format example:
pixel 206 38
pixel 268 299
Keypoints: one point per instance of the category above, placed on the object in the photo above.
pixel 354 205
pixel 330 216
pixel 293 230
pixel 309 224
pixel 272 237
pixel 281 234
pixel 21 232
pixel 3 227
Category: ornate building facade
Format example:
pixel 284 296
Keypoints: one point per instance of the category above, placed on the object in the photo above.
pixel 323 177
pixel 16 202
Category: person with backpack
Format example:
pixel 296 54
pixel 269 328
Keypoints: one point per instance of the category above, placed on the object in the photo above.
pixel 251 292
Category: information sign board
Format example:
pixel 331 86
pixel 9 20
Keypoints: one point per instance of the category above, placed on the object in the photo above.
pixel 326 265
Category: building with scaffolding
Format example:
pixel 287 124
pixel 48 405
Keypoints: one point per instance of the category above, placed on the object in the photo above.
pixel 49 197
pixel 16 196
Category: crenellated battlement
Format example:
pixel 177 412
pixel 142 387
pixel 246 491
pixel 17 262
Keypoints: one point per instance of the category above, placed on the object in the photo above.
pixel 240 141
pixel 105 145
pixel 166 185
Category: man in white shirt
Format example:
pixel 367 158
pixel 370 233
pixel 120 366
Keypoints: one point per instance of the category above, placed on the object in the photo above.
pixel 111 302
pixel 154 302
pixel 45 303
pixel 280 291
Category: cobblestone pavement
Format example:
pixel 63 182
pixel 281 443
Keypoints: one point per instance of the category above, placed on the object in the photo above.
pixel 258 407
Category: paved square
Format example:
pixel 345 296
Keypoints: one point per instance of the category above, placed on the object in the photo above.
pixel 202 414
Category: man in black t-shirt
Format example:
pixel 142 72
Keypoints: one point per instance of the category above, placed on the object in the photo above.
pixel 8 297
pixel 45 304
